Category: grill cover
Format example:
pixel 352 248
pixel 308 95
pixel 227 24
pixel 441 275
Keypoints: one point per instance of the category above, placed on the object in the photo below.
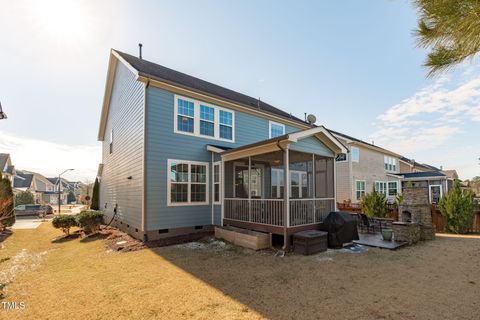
pixel 341 228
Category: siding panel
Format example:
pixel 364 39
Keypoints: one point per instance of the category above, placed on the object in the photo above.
pixel 126 118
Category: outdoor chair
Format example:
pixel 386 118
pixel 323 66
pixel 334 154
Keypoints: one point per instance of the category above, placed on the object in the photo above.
pixel 366 223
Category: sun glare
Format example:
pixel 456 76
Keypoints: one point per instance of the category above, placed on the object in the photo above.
pixel 62 20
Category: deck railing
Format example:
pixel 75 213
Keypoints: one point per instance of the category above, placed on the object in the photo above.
pixel 263 211
pixel 271 211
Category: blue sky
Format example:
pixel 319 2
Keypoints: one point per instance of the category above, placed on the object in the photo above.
pixel 351 63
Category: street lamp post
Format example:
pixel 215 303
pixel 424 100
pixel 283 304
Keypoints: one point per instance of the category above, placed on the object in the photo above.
pixel 59 188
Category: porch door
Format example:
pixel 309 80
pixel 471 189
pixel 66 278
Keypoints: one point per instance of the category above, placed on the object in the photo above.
pixel 241 181
pixel 435 193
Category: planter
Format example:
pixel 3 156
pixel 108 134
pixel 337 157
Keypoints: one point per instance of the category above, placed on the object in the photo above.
pixel 244 238
pixel 387 234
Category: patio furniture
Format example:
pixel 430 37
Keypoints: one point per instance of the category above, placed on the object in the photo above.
pixel 366 223
pixel 310 242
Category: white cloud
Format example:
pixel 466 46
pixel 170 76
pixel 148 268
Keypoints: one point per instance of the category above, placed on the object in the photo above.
pixel 435 120
pixel 49 158
pixel 437 99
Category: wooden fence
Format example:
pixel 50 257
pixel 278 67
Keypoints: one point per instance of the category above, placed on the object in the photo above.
pixel 392 212
pixel 439 221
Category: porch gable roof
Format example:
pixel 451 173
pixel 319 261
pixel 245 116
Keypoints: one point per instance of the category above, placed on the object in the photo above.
pixel 282 142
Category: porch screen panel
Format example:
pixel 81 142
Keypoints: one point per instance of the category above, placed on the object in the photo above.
pixel 330 178
pixel 324 177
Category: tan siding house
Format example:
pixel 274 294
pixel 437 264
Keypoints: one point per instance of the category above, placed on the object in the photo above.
pixel 366 166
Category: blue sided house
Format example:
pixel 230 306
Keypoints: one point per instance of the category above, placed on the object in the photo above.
pixel 181 155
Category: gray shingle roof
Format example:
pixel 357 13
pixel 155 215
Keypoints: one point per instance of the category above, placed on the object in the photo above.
pixel 424 165
pixel 22 180
pixel 156 71
pixel 3 160
pixel 422 174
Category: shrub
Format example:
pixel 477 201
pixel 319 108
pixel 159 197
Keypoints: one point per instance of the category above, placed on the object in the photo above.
pixel 375 204
pixel 64 222
pixel 458 209
pixel 90 221
pixel 24 197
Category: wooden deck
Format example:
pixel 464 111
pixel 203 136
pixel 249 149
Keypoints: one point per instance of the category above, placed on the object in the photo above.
pixel 269 228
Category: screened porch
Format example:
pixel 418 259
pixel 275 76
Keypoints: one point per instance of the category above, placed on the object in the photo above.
pixel 255 190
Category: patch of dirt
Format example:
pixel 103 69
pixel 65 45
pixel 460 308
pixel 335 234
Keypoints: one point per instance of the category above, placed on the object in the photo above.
pixel 117 240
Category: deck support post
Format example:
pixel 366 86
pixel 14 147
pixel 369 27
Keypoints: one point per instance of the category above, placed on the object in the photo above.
pixel 286 196
pixel 314 180
pixel 249 189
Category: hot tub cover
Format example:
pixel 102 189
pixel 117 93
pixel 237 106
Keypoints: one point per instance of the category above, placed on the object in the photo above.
pixel 341 228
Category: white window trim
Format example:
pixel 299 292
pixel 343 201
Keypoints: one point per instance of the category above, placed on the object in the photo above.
pixel 169 184
pixel 254 166
pixel 390 161
pixel 279 173
pixel 364 188
pixel 270 123
pixel 220 182
pixel 388 188
pixel 385 183
pixel 353 160
pixel 430 191
pixel 196 119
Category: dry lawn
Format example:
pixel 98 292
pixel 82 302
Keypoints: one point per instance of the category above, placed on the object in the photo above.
pixel 81 280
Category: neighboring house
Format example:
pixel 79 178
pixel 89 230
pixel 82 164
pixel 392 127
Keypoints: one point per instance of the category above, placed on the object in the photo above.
pixel 23 181
pixel 410 165
pixel 41 188
pixel 181 154
pixel 364 167
pixel 6 167
pixel 436 182
pixel 65 187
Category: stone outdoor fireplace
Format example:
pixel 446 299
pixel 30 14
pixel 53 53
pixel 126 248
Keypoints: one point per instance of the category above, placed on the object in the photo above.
pixel 415 216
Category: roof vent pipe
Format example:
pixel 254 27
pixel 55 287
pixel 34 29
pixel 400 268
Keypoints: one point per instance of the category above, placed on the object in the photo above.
pixel 140 50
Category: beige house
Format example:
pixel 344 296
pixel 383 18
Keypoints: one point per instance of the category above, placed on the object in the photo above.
pixel 6 168
pixel 364 167
pixel 411 166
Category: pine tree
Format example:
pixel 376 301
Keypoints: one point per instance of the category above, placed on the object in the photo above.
pixel 95 196
pixel 7 213
pixel 451 29
pixel 458 209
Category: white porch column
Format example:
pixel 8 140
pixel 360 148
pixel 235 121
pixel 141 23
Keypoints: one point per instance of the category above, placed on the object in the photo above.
pixel 335 183
pixel 286 182
pixel 222 190
pixel 212 186
pixel 249 189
